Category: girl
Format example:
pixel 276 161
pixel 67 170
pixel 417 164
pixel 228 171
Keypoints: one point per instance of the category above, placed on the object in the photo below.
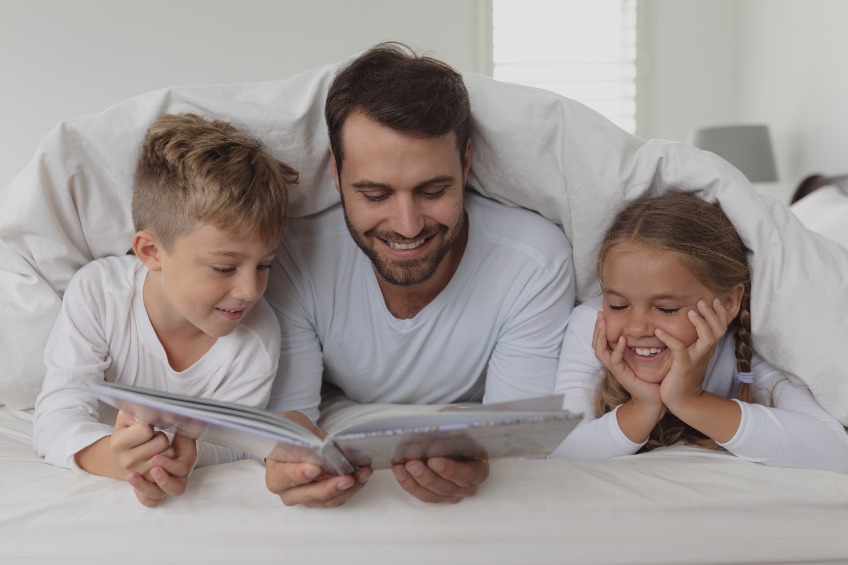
pixel 670 358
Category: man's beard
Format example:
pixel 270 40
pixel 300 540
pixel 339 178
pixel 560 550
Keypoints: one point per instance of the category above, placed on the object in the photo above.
pixel 410 272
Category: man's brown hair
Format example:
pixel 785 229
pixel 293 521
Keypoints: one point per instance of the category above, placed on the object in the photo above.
pixel 397 88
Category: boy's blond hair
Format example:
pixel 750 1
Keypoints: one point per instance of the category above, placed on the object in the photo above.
pixel 192 170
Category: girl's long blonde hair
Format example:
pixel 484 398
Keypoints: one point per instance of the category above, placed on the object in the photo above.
pixel 706 242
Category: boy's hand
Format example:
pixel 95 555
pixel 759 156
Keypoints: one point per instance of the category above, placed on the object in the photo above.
pixel 169 474
pixel 149 462
pixel 134 443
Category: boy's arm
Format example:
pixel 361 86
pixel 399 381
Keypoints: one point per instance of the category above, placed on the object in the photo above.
pixel 129 449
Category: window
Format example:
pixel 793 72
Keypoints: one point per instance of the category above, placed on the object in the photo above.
pixel 582 49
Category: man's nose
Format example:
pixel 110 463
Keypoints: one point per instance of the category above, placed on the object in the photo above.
pixel 408 220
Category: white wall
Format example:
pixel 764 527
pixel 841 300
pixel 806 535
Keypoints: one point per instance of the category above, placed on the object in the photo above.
pixel 779 62
pixel 793 75
pixel 705 62
pixel 64 58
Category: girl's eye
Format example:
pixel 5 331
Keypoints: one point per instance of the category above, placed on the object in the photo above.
pixel 224 270
pixel 668 310
pixel 263 267
pixel 615 308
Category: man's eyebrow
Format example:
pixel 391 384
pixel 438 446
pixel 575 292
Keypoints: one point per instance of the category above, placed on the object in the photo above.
pixel 374 185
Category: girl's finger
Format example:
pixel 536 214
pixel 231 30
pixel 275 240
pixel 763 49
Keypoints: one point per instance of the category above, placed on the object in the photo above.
pixel 716 316
pixel 678 349
pixel 599 341
pixel 617 355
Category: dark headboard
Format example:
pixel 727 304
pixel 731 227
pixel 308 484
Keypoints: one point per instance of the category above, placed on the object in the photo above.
pixel 814 182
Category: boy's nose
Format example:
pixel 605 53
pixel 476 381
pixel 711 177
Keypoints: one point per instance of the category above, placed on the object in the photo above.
pixel 249 288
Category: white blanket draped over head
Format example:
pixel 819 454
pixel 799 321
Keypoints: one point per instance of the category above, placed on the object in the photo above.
pixel 530 148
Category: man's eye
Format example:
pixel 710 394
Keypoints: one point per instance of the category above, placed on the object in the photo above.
pixel 374 197
pixel 433 193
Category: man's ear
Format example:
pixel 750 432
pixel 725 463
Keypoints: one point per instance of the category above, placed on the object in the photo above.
pixel 147 248
pixel 466 165
pixel 733 300
pixel 334 169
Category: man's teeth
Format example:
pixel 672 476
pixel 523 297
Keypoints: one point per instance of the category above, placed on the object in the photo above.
pixel 646 351
pixel 406 246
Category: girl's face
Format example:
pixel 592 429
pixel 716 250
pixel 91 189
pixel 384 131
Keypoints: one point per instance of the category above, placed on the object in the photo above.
pixel 645 288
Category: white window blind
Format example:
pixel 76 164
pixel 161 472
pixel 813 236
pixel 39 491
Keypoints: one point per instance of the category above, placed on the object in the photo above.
pixel 582 49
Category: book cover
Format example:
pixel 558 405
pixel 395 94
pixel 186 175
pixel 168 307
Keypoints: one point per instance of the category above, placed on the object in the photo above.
pixel 358 435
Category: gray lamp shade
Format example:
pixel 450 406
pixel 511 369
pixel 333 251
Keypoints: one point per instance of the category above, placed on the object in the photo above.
pixel 746 147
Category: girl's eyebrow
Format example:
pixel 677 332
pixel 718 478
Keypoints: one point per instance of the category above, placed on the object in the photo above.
pixel 663 296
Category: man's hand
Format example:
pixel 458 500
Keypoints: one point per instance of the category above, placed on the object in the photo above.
pixel 304 484
pixel 441 479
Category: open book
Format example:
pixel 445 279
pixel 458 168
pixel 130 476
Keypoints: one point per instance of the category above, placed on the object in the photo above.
pixel 357 435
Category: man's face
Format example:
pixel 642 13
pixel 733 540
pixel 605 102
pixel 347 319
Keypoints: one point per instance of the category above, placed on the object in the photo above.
pixel 402 198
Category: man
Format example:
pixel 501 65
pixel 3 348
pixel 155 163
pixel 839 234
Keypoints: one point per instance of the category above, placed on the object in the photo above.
pixel 454 297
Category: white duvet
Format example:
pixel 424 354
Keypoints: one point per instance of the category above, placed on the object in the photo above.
pixel 531 148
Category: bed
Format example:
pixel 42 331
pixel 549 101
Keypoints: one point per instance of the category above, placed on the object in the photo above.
pixel 531 149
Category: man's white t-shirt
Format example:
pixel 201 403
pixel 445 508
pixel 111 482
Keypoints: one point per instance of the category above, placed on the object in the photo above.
pixel 493 333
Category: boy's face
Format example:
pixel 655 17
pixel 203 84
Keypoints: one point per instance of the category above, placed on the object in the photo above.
pixel 208 281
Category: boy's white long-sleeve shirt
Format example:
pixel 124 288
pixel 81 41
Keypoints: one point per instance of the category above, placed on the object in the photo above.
pixel 103 332
pixel 788 429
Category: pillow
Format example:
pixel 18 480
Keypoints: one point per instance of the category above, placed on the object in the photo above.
pixel 825 212
pixel 530 148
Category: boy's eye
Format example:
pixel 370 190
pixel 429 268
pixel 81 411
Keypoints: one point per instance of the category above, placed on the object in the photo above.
pixel 263 267
pixel 665 310
pixel 616 308
pixel 224 270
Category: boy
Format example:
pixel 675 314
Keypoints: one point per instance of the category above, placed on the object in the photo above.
pixel 185 314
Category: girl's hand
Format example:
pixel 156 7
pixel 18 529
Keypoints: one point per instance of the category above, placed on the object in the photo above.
pixel 685 378
pixel 641 392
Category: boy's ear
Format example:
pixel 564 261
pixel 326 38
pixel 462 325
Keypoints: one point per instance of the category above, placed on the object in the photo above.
pixel 733 300
pixel 146 247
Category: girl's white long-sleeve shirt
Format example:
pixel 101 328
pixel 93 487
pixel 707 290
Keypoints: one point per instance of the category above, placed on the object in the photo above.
pixel 788 428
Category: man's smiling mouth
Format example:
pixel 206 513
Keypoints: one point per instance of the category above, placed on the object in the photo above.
pixel 406 246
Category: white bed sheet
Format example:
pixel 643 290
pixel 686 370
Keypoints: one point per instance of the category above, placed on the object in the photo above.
pixel 680 505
